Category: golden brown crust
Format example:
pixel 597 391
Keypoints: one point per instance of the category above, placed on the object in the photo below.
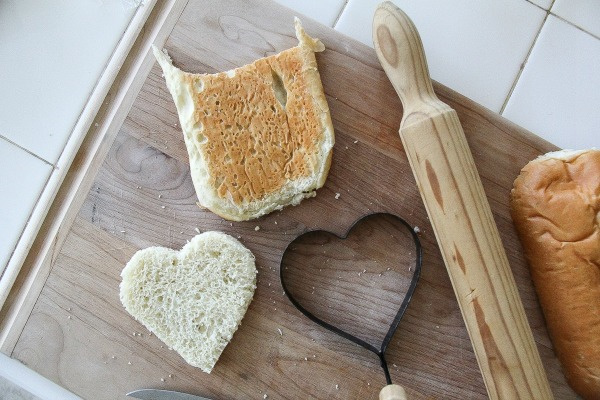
pixel 252 145
pixel 260 136
pixel 555 204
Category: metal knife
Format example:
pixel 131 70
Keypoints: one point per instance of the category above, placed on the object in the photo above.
pixel 158 394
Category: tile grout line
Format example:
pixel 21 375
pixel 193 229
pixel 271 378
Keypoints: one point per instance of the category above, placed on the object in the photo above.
pixel 340 13
pixel 27 151
pixel 548 14
pixel 575 26
pixel 549 11
pixel 524 63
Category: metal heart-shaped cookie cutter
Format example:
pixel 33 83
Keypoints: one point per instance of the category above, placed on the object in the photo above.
pixel 380 352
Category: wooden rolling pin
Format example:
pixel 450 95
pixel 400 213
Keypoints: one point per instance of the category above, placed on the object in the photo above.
pixel 467 235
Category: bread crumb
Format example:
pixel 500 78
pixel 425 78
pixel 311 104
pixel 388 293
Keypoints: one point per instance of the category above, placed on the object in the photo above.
pixel 416 229
pixel 265 396
pixel 162 379
pixel 197 230
pixel 337 196
pixel 305 358
pixel 128 362
pixel 280 332
pixel 257 228
pixel 170 375
pixel 160 196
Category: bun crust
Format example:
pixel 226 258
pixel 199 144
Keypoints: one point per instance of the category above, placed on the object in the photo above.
pixel 259 137
pixel 555 205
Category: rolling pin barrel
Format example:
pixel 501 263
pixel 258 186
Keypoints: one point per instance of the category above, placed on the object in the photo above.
pixel 461 217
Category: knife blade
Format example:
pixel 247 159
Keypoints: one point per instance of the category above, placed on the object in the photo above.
pixel 159 394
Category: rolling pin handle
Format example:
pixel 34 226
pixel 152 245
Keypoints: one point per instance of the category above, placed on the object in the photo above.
pixel 392 392
pixel 398 43
pixel 469 241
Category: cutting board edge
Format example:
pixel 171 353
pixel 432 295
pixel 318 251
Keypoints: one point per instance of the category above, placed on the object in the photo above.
pixel 37 263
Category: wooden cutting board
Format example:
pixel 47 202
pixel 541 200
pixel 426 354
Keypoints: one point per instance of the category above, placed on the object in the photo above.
pixel 78 334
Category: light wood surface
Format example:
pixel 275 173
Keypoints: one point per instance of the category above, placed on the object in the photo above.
pixel 77 333
pixel 75 139
pixel 28 275
pixel 461 218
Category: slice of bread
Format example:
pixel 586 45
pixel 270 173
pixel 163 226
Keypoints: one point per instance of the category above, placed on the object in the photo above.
pixel 194 299
pixel 259 137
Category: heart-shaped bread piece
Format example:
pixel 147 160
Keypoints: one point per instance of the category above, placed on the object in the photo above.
pixel 193 299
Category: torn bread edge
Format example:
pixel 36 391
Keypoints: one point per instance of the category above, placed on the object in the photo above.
pixel 302 187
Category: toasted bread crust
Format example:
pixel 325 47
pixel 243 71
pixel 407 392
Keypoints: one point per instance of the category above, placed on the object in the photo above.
pixel 260 136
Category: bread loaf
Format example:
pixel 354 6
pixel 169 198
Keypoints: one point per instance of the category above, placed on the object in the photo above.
pixel 259 137
pixel 555 205
pixel 194 299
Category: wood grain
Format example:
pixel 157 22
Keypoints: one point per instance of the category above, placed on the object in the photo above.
pixel 81 173
pixel 74 142
pixel 146 169
pixel 461 217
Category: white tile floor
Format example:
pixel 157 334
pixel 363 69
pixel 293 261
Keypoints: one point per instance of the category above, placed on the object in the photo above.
pixel 51 56
pixel 558 93
pixel 59 60
pixel 537 62
pixel 474 47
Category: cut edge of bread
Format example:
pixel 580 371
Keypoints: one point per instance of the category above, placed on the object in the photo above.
pixel 292 192
pixel 135 293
